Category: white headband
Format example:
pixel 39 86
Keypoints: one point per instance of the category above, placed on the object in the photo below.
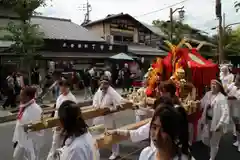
pixel 217 81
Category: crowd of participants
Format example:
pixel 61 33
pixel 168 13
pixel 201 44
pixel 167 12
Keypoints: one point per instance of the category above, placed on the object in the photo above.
pixel 168 130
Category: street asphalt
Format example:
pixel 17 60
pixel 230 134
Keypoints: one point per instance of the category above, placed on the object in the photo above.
pixel 128 150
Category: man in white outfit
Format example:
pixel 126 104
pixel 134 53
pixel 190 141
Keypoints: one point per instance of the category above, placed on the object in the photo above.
pixel 106 96
pixel 27 145
pixel 234 97
pixel 215 116
pixel 66 94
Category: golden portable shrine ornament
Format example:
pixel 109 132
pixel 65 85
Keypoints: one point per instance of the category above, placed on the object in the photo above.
pixel 174 50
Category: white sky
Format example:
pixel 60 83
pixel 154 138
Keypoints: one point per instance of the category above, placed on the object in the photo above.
pixel 199 13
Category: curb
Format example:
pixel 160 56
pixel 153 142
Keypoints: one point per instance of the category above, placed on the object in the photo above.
pixel 11 117
pixel 13 114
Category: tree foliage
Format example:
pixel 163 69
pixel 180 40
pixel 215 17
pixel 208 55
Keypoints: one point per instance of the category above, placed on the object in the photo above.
pixel 231 41
pixel 25 36
pixel 234 39
pixel 24 8
pixel 237 5
pixel 180 30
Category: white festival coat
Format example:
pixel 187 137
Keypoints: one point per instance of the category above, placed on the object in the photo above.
pixel 226 79
pixel 234 104
pixel 220 114
pixel 110 99
pixel 150 153
pixel 29 142
pixel 80 148
pixel 57 139
pixel 141 133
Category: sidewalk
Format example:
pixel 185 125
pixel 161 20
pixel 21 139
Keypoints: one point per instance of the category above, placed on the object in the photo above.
pixel 4 113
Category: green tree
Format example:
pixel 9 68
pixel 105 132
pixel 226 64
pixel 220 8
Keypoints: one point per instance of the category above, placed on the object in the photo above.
pixel 231 41
pixel 180 30
pixel 237 5
pixel 234 40
pixel 26 36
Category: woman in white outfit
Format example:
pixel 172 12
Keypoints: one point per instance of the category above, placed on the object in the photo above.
pixel 78 143
pixel 65 95
pixel 215 116
pixel 27 145
pixel 168 90
pixel 142 133
pixel 234 97
pixel 165 132
pixel 141 114
pixel 226 77
pixel 106 96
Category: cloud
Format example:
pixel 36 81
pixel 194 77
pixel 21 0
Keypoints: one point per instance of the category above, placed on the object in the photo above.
pixel 199 14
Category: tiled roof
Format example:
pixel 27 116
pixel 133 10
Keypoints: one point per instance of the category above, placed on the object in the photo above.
pixel 145 50
pixel 106 18
pixel 56 28
pixel 153 29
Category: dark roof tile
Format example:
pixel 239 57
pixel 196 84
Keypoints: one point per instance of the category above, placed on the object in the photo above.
pixel 151 28
pixel 146 50
pixel 56 28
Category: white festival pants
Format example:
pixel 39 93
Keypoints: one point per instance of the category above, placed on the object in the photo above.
pixel 110 123
pixel 32 153
pixel 214 142
pixel 236 121
pixel 115 147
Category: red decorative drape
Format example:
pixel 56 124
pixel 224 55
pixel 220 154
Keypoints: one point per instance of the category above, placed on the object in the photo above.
pixel 202 70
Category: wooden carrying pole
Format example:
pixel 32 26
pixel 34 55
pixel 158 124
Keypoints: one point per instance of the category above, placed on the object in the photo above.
pixel 90 112
pixel 87 114
pixel 47 109
pixel 150 102
pixel 106 141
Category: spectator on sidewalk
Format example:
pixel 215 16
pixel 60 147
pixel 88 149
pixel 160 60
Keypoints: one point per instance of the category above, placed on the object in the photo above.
pixel 94 79
pixel 11 96
pixel 87 86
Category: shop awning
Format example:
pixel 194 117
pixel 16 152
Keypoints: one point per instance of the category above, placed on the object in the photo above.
pixel 142 50
pixel 74 55
pixel 122 56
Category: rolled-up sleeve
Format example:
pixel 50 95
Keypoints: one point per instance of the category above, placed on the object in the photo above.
pixel 140 134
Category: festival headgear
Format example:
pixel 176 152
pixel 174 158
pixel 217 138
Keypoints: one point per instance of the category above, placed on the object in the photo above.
pixel 217 81
pixel 224 66
pixel 104 79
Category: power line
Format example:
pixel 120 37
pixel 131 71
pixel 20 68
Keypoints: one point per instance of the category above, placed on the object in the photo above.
pixel 169 6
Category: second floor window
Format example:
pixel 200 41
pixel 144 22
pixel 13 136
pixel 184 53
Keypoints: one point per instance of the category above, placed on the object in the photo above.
pixel 118 38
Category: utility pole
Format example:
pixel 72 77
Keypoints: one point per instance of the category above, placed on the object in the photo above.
pixel 88 8
pixel 220 41
pixel 181 16
pixel 171 24
pixel 224 30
